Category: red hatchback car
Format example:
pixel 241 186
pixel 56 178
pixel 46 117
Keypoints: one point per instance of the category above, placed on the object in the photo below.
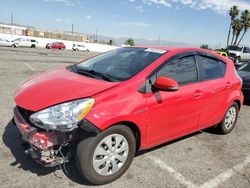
pixel 101 111
pixel 55 45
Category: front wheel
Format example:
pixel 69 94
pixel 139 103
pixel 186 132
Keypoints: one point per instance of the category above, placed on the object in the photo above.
pixel 237 60
pixel 105 157
pixel 229 121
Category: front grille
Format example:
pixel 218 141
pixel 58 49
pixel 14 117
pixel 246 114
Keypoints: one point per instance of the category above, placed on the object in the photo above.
pixel 25 113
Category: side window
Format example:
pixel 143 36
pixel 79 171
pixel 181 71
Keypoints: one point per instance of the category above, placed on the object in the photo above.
pixel 223 67
pixel 212 68
pixel 183 70
pixel 246 50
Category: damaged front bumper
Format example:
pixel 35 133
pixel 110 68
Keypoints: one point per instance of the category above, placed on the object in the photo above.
pixel 49 148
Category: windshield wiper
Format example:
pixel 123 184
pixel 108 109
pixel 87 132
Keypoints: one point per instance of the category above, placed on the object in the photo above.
pixel 94 74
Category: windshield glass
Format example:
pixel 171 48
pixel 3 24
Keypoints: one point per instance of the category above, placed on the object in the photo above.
pixel 235 48
pixel 245 67
pixel 123 63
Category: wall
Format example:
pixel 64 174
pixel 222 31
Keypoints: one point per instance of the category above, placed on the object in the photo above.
pixel 43 41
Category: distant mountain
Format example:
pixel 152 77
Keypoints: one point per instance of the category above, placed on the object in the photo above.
pixel 140 41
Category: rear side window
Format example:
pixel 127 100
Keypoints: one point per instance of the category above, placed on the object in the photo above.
pixel 213 68
pixel 183 70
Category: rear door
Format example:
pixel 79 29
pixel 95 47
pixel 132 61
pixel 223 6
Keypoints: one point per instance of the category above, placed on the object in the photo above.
pixel 215 89
pixel 172 114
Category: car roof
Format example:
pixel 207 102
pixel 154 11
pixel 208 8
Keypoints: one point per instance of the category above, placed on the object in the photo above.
pixel 183 49
pixel 169 49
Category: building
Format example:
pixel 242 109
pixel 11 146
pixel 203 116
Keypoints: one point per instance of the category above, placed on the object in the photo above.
pixel 56 35
pixel 11 29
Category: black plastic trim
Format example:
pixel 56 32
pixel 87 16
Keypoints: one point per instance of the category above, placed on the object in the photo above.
pixel 89 127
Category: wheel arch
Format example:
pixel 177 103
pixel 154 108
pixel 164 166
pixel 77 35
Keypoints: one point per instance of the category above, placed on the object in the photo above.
pixel 134 128
pixel 238 103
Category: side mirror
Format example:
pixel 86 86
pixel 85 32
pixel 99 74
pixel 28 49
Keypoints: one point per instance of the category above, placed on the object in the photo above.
pixel 166 84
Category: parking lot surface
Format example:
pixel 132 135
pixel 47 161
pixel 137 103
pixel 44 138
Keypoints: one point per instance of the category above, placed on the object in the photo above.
pixel 203 159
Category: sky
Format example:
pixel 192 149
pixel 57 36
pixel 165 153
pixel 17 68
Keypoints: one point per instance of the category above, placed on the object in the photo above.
pixel 189 21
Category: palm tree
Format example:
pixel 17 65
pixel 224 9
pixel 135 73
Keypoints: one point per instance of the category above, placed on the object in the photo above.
pixel 245 20
pixel 237 28
pixel 234 11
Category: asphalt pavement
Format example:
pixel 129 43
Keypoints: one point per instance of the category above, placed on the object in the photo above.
pixel 203 159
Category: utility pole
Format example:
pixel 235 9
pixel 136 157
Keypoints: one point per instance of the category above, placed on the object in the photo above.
pixel 72 29
pixel 11 19
pixel 159 40
pixel 96 34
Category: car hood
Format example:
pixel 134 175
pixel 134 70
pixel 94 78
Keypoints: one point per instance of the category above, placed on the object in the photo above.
pixel 235 52
pixel 57 86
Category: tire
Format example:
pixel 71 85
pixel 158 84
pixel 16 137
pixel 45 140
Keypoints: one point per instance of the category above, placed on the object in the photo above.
pixel 88 160
pixel 227 124
pixel 237 60
pixel 33 46
pixel 15 45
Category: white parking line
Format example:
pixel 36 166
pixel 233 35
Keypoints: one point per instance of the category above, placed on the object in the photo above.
pixel 225 175
pixel 212 183
pixel 29 66
pixel 173 172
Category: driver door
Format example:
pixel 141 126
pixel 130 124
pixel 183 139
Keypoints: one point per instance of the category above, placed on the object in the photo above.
pixel 176 113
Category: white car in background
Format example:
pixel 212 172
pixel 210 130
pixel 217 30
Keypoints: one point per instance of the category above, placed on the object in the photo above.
pixel 23 42
pixel 5 42
pixel 80 47
pixel 241 53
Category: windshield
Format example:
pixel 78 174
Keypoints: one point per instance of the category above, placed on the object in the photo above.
pixel 235 48
pixel 245 67
pixel 121 64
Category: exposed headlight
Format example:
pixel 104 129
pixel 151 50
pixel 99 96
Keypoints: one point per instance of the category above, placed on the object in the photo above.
pixel 63 117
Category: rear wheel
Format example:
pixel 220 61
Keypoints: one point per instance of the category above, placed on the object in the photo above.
pixel 105 157
pixel 229 120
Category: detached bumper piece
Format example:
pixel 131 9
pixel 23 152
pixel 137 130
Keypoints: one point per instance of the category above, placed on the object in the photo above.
pixel 46 147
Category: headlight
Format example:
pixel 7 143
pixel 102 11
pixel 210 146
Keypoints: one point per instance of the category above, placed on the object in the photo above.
pixel 63 117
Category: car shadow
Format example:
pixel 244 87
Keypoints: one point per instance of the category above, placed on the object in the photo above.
pixel 246 102
pixel 11 138
pixel 139 153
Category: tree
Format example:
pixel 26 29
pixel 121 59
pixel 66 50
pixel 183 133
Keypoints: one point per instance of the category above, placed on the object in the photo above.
pixel 130 42
pixel 234 11
pixel 204 46
pixel 237 28
pixel 245 20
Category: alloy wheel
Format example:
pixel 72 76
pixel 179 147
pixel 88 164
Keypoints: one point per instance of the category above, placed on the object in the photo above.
pixel 230 118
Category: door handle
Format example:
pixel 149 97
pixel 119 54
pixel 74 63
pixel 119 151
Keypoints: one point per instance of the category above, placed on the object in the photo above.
pixel 229 85
pixel 197 94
